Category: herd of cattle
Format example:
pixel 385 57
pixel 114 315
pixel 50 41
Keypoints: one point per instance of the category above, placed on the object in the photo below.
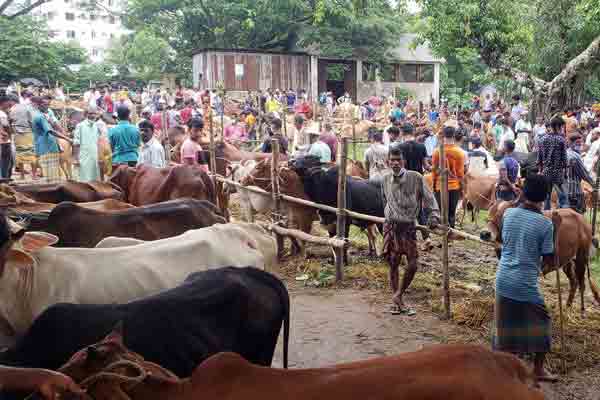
pixel 149 251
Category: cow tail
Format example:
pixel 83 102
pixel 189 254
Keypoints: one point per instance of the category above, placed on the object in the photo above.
pixel 593 286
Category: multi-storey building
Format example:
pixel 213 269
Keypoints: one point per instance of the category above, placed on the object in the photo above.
pixel 92 27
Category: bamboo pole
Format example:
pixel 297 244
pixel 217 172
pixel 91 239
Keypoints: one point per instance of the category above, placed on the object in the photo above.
pixel 354 139
pixel 213 165
pixel 595 199
pixel 341 212
pixel 445 224
pixel 305 237
pixel 276 216
pixel 556 221
pixel 284 123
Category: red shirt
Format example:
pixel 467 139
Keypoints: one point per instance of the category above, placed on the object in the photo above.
pixel 108 103
pixel 156 120
pixel 186 114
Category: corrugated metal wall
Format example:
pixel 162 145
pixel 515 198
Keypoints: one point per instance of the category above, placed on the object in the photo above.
pixel 260 71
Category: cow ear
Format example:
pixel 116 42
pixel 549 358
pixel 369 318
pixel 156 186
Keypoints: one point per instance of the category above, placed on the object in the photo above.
pixel 116 335
pixel 33 241
pixel 20 259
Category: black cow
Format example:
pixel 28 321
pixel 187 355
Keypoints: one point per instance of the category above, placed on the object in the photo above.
pixel 228 309
pixel 320 185
pixel 78 226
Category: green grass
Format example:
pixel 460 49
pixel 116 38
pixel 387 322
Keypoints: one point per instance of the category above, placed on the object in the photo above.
pixel 595 268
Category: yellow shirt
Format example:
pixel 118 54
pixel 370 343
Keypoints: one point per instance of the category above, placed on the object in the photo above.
pixel 272 105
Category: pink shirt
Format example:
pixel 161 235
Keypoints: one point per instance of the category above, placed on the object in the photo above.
pixel 190 150
pixel 235 132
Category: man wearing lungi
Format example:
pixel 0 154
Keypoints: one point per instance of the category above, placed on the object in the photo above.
pixel 404 194
pixel 522 323
pixel 46 145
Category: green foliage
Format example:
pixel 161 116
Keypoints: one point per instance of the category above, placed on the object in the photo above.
pixel 335 28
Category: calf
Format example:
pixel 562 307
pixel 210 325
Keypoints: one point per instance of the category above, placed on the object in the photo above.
pixel 77 226
pixel 479 193
pixel 226 309
pixel 451 372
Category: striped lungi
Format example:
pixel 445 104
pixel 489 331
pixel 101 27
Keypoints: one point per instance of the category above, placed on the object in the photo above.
pixel 50 163
pixel 520 327
pixel 399 238
pixel 24 145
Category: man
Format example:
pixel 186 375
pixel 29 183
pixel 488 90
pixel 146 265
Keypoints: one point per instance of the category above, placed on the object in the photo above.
pixel 552 161
pixel 160 119
pixel 275 133
pixel 405 193
pixel 516 111
pixel 430 142
pixel 522 323
pixel 539 130
pixel 186 112
pixel 523 133
pixel 394 123
pixel 6 132
pixel 299 138
pixel 291 99
pixel 152 152
pixel 236 132
pixel 107 101
pixel 345 98
pixel 85 146
pixel 507 133
pixel 591 156
pixel 576 172
pixel 21 115
pixel 318 148
pixel 250 122
pixel 329 138
pixel 506 188
pixel 415 154
pixel 376 156
pixel 46 145
pixel 397 114
pixel 190 149
pixel 455 160
pixel 478 156
pixel 124 140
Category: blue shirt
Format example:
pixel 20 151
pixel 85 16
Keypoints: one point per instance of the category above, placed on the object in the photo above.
pixel 44 142
pixel 397 114
pixel 526 236
pixel 512 168
pixel 430 144
pixel 433 116
pixel 125 142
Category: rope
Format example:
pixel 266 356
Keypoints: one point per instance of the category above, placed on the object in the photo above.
pixel 105 374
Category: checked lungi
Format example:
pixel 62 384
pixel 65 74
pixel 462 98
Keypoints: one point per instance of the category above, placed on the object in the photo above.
pixel 399 238
pixel 50 163
pixel 521 327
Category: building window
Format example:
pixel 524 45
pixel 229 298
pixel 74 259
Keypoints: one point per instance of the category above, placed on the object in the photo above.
pixel 53 34
pixel 69 16
pixel 369 72
pixel 95 52
pixel 112 35
pixel 387 72
pixel 416 73
pixel 111 19
pixel 93 17
pixel 71 34
pixel 93 34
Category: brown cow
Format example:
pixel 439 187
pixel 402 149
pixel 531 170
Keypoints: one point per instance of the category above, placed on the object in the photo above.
pixel 299 217
pixel 77 192
pixel 451 372
pixel 574 246
pixel 78 226
pixel 145 185
pixel 479 193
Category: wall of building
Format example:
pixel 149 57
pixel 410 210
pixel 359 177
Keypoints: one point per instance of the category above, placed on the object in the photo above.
pixel 241 72
pixel 68 20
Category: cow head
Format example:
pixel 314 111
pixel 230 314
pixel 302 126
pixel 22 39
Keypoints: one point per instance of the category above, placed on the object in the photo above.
pixel 303 164
pixel 122 177
pixel 259 176
pixel 494 225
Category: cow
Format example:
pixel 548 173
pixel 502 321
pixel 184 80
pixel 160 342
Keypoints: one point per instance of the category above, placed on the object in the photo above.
pixel 451 372
pixel 362 196
pixel 145 185
pixel 574 246
pixel 77 226
pixel 479 193
pixel 226 309
pixel 299 217
pixel 34 276
pixel 77 192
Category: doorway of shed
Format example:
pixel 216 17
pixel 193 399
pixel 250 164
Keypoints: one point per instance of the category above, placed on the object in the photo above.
pixel 338 77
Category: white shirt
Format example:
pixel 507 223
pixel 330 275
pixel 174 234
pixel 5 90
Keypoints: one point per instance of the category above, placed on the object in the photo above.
pixel 153 154
pixel 589 158
pixel 507 135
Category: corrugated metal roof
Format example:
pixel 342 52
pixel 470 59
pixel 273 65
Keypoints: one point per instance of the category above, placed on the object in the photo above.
pixel 405 52
pixel 253 51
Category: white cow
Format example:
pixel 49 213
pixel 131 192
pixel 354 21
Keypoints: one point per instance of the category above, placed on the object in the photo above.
pixel 36 276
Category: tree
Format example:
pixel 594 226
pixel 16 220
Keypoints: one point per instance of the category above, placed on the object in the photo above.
pixel 26 51
pixel 334 28
pixel 11 9
pixel 548 46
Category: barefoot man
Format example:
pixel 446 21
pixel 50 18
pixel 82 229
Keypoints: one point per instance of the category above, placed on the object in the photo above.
pixel 404 194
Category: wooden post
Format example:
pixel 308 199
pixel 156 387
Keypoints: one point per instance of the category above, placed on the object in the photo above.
pixel 595 199
pixel 213 165
pixel 354 139
pixel 341 214
pixel 284 114
pixel 276 194
pixel 445 223
pixel 556 220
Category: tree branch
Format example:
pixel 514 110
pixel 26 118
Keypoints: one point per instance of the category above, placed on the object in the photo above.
pixel 27 9
pixel 584 64
pixel 522 78
pixel 5 5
